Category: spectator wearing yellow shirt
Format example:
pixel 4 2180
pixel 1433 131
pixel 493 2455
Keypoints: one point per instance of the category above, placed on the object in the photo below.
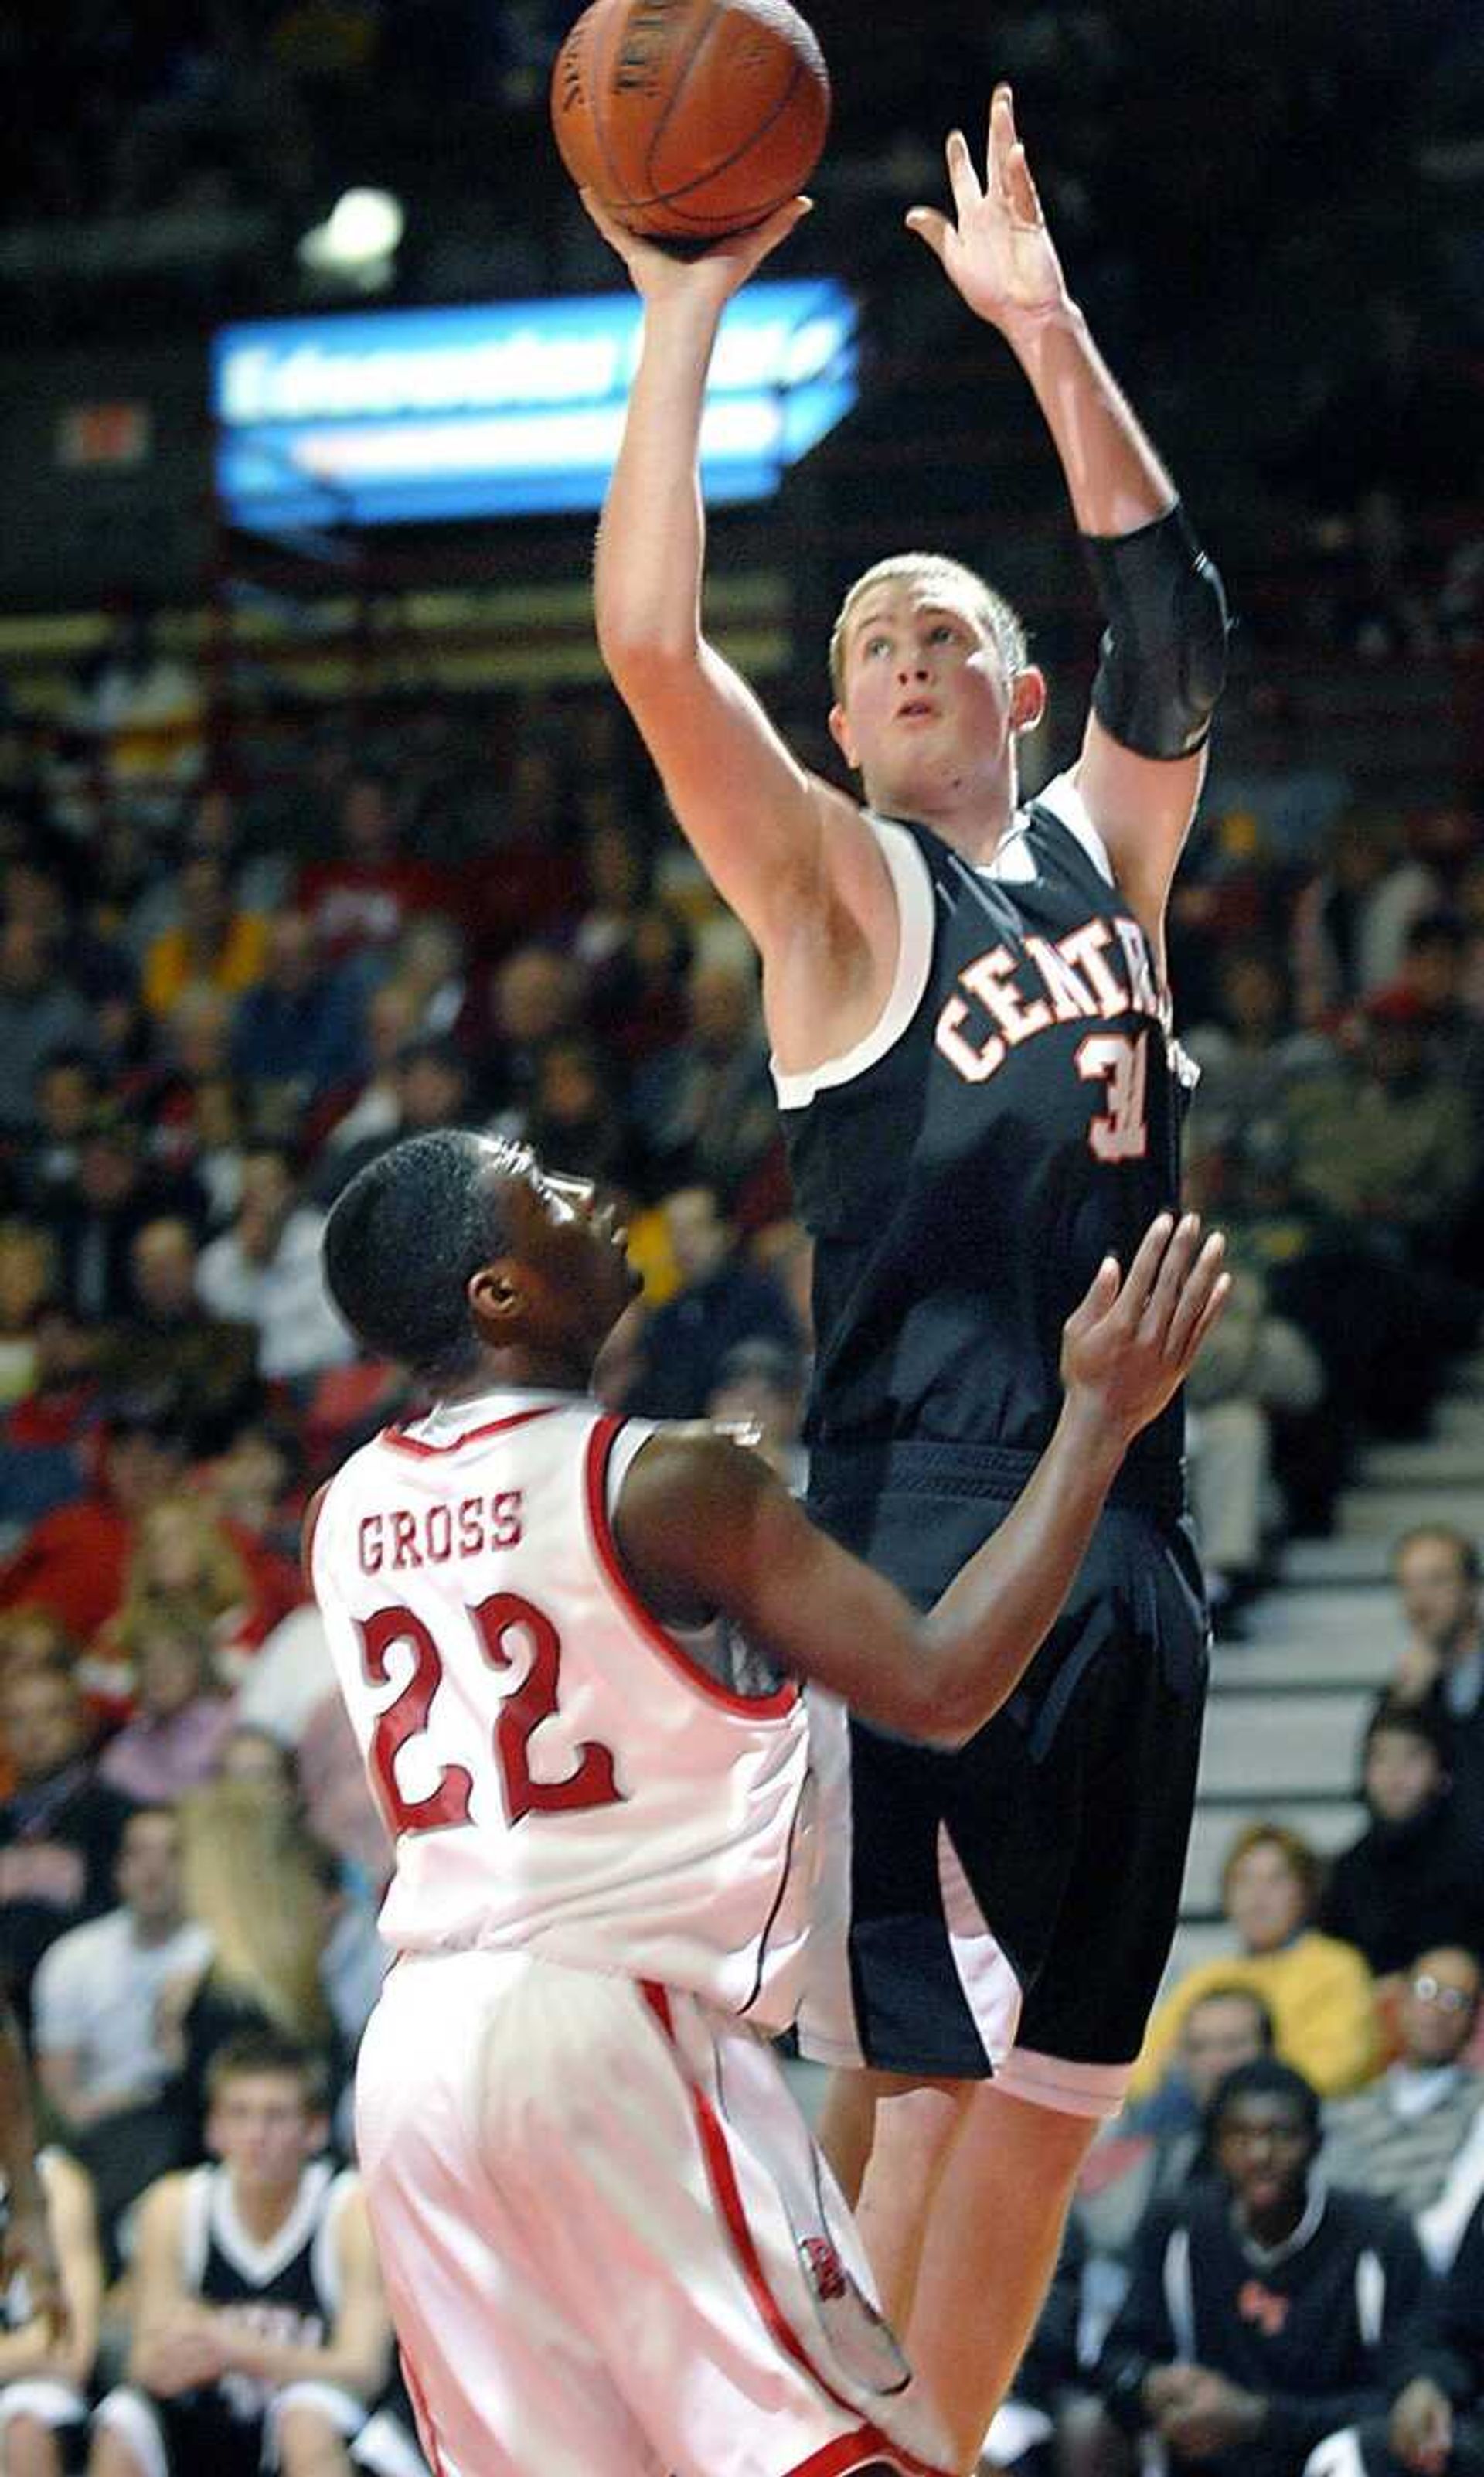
pixel 211 945
pixel 1317 1990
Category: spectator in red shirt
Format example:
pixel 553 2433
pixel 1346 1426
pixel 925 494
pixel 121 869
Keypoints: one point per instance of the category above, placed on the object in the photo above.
pixel 75 1559
pixel 363 899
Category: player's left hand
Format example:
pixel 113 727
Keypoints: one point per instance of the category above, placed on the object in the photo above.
pixel 1133 1340
pixel 997 253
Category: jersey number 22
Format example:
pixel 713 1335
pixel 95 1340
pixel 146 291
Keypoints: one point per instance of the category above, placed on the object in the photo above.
pixel 495 1621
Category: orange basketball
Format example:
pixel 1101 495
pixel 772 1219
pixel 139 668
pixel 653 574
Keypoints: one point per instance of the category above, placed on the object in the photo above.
pixel 690 118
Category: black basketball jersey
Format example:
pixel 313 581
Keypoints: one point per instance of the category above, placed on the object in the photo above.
pixel 286 2289
pixel 1012 1118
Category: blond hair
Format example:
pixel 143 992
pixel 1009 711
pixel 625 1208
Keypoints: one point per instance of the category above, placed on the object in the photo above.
pixel 929 568
pixel 253 1879
pixel 221 1584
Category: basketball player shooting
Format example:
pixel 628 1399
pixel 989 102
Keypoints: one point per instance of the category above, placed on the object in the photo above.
pixel 570 1646
pixel 981 1096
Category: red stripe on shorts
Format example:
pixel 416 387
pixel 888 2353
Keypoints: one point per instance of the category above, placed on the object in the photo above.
pixel 728 2197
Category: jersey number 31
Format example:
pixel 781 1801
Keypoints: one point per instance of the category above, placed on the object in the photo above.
pixel 496 1621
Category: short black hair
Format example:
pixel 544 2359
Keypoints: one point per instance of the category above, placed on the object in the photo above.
pixel 1231 1991
pixel 403 1242
pixel 1410 1720
pixel 267 2051
pixel 1265 2077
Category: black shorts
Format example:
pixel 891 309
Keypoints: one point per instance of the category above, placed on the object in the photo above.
pixel 1023 1892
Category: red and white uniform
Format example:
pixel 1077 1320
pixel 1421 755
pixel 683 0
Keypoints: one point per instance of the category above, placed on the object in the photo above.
pixel 608 2242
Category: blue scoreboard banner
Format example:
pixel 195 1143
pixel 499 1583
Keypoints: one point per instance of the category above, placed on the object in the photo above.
pixel 513 407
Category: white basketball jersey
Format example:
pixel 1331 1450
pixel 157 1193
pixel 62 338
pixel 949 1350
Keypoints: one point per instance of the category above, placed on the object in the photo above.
pixel 559 1771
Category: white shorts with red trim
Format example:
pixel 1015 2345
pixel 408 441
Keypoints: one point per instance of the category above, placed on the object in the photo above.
pixel 610 2245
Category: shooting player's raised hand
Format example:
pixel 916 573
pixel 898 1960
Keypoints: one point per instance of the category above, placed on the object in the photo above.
pixel 994 249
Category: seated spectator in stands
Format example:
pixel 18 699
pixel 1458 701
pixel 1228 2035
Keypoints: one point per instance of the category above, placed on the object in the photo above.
pixel 255 1880
pixel 1385 1139
pixel 1435 2424
pixel 60 1827
pixel 44 2373
pixel 213 942
pixel 1441 1670
pixel 100 2059
pixel 536 995
pixel 618 884
pixel 265 1271
pixel 75 1559
pixel 722 1302
pixel 68 1093
pixel 257 1484
pixel 359 902
pixel 183 1714
pixel 431 1085
pixel 1415 1864
pixel 171 1346
pixel 758 1397
pixel 1250 1054
pixel 297 1033
pixel 707 1107
pixel 1351 922
pixel 1433 967
pixel 637 1002
pixel 1263 2317
pixel 40 1011
pixel 264 2341
pixel 575 1118
pixel 116 1192
pixel 193 1569
pixel 54 1413
pixel 1398 2139
pixel 1126 2172
pixel 259 879
pixel 1317 1991
pixel 140 709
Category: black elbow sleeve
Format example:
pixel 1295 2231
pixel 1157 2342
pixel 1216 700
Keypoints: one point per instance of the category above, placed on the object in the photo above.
pixel 1162 660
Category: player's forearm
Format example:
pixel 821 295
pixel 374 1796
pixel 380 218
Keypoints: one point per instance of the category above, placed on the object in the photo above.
pixel 991 1621
pixel 1114 478
pixel 651 536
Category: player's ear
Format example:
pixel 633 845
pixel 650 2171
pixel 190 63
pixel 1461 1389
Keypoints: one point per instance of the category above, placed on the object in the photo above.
pixel 497 1299
pixel 840 733
pixel 1027 699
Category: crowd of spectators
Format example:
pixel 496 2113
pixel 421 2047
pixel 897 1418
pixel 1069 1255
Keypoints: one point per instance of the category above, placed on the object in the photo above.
pixel 1276 2261
pixel 208 1025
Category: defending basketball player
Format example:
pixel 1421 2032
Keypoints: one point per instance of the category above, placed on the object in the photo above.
pixel 570 1647
pixel 971 1037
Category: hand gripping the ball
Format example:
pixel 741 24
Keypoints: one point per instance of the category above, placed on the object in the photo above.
pixel 658 273
pixel 997 254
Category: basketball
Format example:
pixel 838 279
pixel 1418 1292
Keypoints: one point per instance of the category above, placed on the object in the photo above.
pixel 690 118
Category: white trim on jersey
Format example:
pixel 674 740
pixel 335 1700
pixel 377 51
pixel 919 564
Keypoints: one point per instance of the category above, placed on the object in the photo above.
pixel 991 1989
pixel 261 2264
pixel 910 877
pixel 324 2257
pixel 1069 807
pixel 914 962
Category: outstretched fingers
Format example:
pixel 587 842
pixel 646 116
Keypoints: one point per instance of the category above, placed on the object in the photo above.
pixel 1205 1292
pixel 1170 1281
pixel 1139 1280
